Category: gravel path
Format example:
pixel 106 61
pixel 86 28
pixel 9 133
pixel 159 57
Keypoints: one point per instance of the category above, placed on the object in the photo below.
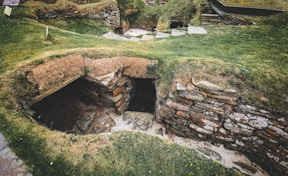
pixel 10 164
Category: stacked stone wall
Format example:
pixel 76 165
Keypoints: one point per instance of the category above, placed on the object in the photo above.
pixel 205 111
pixel 111 90
pixel 107 12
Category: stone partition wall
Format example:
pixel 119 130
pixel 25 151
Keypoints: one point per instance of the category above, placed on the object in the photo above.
pixel 108 12
pixel 111 90
pixel 208 112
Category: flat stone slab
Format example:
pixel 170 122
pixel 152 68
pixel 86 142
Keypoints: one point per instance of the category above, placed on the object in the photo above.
pixel 133 32
pixel 147 37
pixel 111 35
pixel 162 35
pixel 135 39
pixel 176 32
pixel 196 30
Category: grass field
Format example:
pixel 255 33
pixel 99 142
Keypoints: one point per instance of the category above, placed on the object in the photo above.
pixel 253 59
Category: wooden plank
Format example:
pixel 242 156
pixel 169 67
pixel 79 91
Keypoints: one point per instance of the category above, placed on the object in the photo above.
pixel 55 89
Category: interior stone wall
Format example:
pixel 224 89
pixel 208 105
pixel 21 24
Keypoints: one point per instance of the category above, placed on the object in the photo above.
pixel 205 111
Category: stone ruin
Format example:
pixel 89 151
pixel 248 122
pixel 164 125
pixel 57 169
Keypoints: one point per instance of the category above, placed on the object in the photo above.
pixel 81 95
pixel 198 109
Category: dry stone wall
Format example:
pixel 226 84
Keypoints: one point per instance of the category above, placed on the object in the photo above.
pixel 107 12
pixel 111 90
pixel 208 112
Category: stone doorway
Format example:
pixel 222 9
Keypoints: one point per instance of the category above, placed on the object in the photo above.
pixel 143 96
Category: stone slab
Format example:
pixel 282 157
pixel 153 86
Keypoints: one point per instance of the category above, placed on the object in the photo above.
pixel 162 35
pixel 176 32
pixel 135 39
pixel 196 30
pixel 147 37
pixel 111 35
pixel 133 32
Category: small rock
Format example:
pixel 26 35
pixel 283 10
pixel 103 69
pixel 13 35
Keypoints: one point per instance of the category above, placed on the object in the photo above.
pixel 179 86
pixel 199 129
pixel 240 143
pixel 182 114
pixel 223 131
pixel 208 86
pixel 177 106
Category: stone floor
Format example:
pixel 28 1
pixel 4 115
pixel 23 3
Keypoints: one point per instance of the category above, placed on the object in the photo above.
pixel 10 164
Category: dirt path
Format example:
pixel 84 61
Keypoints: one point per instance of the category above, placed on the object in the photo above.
pixel 10 164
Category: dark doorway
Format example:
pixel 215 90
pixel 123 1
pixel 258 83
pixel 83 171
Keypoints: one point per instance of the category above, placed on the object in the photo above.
pixel 143 96
pixel 72 110
pixel 176 24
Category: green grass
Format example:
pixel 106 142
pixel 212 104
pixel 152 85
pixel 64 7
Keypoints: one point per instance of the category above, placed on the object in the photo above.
pixel 252 59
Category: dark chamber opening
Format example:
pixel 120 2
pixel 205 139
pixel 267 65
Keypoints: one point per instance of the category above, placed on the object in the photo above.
pixel 143 96
pixel 177 24
pixel 73 110
pixel 61 110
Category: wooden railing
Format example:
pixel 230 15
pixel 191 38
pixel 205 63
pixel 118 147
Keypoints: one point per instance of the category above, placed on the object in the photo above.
pixel 243 10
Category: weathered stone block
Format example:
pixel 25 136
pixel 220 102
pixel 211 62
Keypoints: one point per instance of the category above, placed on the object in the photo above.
pixel 199 129
pixel 176 106
pixel 113 99
pixel 182 114
pixel 191 96
pixel 278 132
pixel 124 99
pixel 231 126
pixel 118 91
pixel 209 107
pixel 180 87
pixel 253 121
pixel 183 101
pixel 192 89
pixel 207 85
